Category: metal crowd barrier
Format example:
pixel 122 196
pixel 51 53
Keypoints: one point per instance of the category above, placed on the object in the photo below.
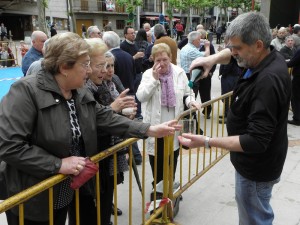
pixel 193 164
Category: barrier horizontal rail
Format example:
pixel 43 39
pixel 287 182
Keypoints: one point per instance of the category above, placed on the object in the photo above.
pixel 25 195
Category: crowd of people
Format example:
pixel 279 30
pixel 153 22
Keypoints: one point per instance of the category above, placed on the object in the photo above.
pixel 80 96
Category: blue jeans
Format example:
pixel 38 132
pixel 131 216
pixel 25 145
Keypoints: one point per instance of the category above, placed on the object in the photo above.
pixel 253 201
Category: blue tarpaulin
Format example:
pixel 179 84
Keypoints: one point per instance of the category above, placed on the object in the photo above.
pixel 7 77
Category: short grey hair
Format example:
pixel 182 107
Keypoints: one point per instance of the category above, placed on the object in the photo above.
pixel 289 37
pixel 250 27
pixel 192 36
pixel 91 30
pixel 108 54
pixel 159 30
pixel 111 39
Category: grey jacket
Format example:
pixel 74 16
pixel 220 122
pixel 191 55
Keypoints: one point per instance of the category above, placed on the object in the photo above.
pixel 35 134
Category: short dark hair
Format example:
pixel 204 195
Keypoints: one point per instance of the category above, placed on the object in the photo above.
pixel 126 29
pixel 296 29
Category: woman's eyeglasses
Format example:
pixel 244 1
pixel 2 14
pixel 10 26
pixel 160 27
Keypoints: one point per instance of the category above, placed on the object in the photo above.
pixel 86 65
pixel 101 66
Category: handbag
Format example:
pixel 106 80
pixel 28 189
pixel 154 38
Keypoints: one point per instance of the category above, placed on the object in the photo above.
pixel 87 173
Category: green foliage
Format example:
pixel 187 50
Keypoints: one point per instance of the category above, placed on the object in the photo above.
pixel 130 4
pixel 45 3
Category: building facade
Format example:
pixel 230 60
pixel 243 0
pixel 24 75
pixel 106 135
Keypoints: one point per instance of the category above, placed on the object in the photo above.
pixel 21 16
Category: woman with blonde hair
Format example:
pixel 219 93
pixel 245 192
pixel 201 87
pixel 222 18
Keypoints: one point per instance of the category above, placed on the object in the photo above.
pixel 161 93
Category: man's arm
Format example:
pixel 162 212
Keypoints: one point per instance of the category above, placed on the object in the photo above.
pixel 222 57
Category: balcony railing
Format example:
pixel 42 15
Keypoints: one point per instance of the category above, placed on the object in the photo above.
pixel 101 6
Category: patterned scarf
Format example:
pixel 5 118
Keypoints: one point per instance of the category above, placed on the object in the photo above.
pixel 167 88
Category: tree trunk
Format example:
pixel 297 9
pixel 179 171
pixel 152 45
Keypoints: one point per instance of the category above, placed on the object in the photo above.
pixel 73 20
pixel 41 17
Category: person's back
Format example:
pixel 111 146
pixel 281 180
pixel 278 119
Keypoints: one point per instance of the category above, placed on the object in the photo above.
pixel 124 68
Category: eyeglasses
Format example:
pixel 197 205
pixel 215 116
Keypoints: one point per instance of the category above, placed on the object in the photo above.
pixel 86 65
pixel 101 66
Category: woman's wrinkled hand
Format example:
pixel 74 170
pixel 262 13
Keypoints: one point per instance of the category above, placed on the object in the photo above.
pixel 164 129
pixel 195 104
pixel 72 165
pixel 123 101
pixel 156 69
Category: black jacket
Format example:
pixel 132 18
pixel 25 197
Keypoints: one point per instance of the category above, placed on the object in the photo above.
pixel 258 114
pixel 37 135
pixel 295 63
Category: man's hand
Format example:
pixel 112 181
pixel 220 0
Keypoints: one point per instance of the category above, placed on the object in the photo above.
pixel 192 140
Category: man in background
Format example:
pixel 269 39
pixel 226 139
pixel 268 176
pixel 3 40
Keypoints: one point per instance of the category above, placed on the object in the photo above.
pixel 35 52
pixel 94 32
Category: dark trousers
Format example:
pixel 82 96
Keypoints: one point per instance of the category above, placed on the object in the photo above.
pixel 160 161
pixel 136 152
pixel 219 38
pixel 203 86
pixel 227 85
pixel 179 35
pixel 60 216
pixel 296 98
pixel 87 210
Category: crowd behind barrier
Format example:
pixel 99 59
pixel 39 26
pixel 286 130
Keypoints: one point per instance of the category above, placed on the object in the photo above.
pixel 199 160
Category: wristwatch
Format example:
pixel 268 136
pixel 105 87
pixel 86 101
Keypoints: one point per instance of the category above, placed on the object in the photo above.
pixel 206 142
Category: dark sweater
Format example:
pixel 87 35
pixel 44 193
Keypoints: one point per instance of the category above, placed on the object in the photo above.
pixel 132 49
pixel 124 68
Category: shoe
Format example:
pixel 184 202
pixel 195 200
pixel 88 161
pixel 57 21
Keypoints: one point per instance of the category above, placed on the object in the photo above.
pixel 207 117
pixel 221 121
pixel 221 117
pixel 119 211
pixel 294 122
pixel 111 223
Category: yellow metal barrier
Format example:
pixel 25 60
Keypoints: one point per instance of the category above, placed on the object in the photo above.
pixel 198 160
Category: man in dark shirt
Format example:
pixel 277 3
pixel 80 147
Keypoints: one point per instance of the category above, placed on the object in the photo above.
pixel 257 118
pixel 129 46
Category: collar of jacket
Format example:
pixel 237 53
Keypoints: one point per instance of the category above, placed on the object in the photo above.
pixel 46 82
pixel 264 63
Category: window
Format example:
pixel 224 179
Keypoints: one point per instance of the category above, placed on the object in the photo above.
pixel 120 24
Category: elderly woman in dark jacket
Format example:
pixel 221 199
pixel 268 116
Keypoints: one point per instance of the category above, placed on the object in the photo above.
pixel 49 124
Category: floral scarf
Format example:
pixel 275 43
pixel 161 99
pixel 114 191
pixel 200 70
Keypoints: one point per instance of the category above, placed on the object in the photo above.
pixel 167 88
